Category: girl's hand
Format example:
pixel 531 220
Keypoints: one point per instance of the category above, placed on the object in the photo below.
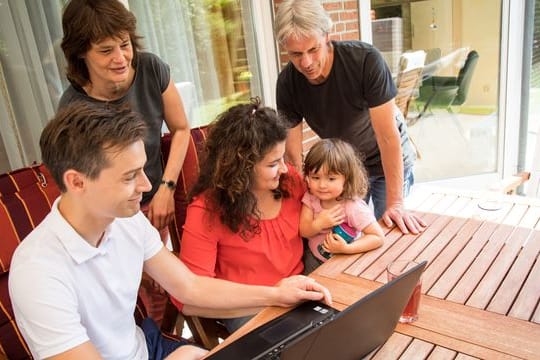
pixel 334 244
pixel 330 217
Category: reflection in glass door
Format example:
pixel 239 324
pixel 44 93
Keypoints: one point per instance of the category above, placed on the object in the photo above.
pixel 210 47
pixel 453 110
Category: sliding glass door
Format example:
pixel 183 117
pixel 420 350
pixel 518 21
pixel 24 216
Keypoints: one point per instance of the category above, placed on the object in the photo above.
pixel 454 114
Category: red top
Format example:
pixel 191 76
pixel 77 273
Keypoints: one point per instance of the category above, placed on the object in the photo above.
pixel 210 248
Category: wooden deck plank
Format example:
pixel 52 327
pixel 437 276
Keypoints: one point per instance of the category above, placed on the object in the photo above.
pixel 396 236
pixel 458 206
pixel 536 317
pixel 417 349
pixel 438 245
pixel 497 216
pixel 465 357
pixel 468 282
pixel 527 300
pixel 498 269
pixel 440 353
pixel 462 328
pixel 531 217
pixel 390 253
pixel 516 214
pixel 509 289
pixel 430 202
pixel 410 251
pixel 443 206
pixel 416 198
pixel 473 331
pixel 393 347
pixel 462 262
pixel 370 257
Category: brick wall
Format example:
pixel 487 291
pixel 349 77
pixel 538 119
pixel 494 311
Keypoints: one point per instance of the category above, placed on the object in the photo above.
pixel 344 14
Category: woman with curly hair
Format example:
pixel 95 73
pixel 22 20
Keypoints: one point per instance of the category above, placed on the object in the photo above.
pixel 244 212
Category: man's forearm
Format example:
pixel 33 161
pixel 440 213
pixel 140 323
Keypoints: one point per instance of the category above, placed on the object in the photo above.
pixel 392 162
pixel 293 147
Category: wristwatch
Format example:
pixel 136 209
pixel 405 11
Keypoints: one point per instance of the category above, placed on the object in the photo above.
pixel 169 183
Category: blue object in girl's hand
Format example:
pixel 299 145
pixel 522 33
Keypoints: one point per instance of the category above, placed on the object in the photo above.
pixel 346 232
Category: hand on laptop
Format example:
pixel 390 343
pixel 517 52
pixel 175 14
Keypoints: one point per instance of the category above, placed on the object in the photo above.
pixel 299 288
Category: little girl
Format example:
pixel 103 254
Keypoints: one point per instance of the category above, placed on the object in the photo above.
pixel 333 206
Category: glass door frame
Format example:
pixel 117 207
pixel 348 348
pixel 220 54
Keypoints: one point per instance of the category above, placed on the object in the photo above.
pixel 510 78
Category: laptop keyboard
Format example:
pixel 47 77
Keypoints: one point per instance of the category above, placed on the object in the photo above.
pixel 275 353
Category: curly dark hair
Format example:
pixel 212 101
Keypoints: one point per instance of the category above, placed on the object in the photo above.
pixel 238 139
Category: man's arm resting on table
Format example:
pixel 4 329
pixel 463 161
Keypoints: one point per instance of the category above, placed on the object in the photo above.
pixel 293 147
pixel 216 298
pixel 389 142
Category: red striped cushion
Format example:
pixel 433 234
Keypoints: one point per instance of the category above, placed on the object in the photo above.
pixel 26 196
pixel 187 178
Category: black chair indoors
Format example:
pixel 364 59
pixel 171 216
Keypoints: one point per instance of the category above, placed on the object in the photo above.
pixel 443 92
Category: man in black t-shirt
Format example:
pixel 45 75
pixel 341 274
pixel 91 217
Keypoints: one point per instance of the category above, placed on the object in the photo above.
pixel 345 90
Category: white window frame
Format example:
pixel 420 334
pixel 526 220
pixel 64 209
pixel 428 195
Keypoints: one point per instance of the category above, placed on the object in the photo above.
pixel 267 49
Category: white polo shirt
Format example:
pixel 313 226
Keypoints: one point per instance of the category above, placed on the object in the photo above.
pixel 65 292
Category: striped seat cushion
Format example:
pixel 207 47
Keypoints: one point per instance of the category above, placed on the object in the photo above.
pixel 187 178
pixel 26 196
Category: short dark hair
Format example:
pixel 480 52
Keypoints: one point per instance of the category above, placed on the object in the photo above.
pixel 238 139
pixel 79 136
pixel 89 21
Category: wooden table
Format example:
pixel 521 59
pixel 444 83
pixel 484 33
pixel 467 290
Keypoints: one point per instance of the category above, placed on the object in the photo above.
pixel 481 287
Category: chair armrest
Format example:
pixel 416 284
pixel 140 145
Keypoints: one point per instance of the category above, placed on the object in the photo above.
pixel 510 184
pixel 206 331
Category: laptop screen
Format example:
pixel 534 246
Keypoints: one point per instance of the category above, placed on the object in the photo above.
pixel 315 331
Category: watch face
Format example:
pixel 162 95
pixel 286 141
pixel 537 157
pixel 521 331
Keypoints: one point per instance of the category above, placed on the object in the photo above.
pixel 169 183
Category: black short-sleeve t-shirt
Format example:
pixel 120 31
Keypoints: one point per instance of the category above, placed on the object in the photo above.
pixel 339 107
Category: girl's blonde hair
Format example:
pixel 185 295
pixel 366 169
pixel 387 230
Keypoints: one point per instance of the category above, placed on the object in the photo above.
pixel 339 157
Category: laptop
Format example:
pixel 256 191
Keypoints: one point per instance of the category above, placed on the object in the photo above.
pixel 315 331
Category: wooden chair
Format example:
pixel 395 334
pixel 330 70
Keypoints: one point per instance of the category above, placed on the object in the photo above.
pixel 205 331
pixel 26 197
pixel 447 91
pixel 407 86
pixel 407 83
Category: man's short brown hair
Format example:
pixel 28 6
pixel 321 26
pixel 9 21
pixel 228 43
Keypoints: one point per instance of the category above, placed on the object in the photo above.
pixel 80 135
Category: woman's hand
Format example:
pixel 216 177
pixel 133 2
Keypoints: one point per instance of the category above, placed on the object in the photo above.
pixel 161 208
pixel 298 288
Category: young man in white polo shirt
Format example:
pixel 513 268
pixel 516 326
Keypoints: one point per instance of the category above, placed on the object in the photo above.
pixel 74 279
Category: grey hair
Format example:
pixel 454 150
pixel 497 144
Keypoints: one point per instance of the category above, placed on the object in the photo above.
pixel 301 18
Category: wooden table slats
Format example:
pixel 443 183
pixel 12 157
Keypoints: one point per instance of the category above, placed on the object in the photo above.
pixel 395 345
pixel 498 268
pixel 439 265
pixel 481 286
pixel 418 349
pixel 502 302
pixel 481 263
pixel 441 353
pixel 462 262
